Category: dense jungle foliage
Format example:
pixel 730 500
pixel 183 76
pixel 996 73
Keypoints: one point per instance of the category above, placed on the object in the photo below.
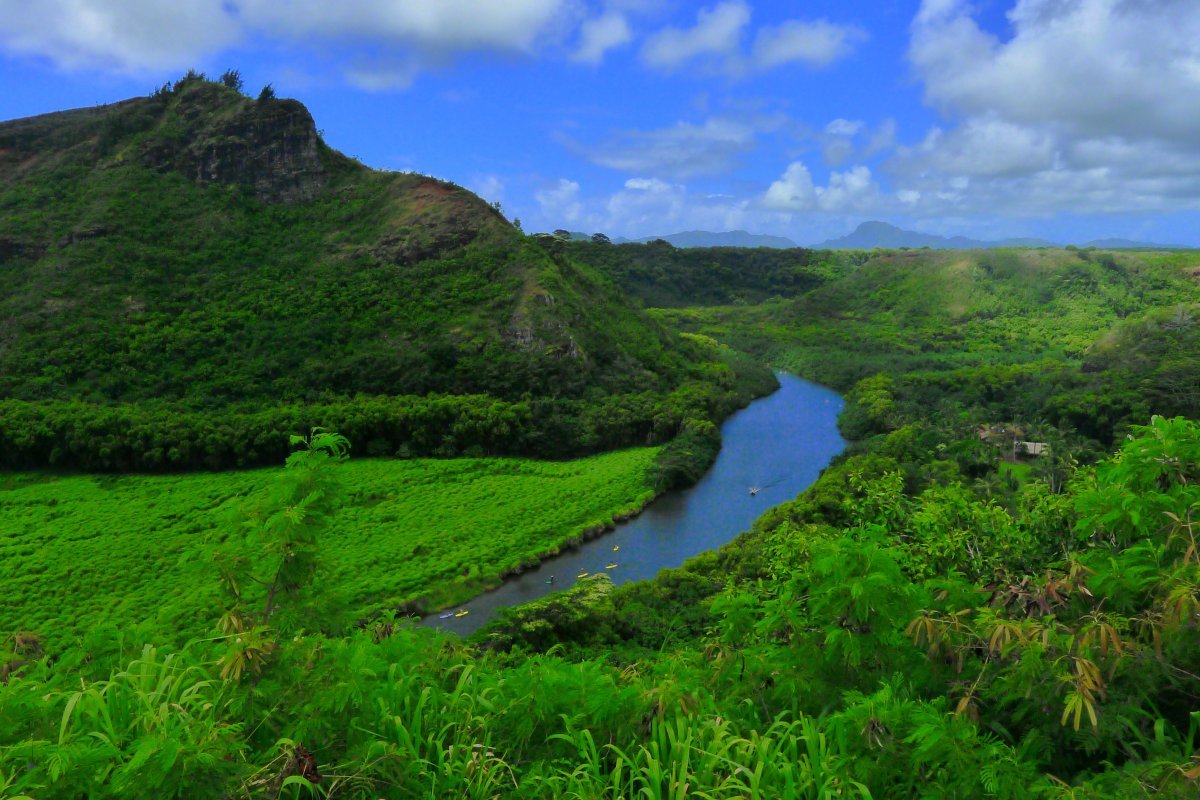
pixel 663 276
pixel 867 639
pixel 993 593
pixel 198 256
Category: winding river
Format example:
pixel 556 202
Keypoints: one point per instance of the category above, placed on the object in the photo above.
pixel 778 444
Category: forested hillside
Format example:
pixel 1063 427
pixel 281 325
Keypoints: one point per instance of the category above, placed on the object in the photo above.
pixel 198 257
pixel 661 275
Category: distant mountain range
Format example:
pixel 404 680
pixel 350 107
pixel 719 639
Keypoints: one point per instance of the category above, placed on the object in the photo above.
pixel 870 235
pixel 714 239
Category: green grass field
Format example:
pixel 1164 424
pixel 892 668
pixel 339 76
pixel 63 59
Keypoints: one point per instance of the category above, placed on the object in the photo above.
pixel 81 551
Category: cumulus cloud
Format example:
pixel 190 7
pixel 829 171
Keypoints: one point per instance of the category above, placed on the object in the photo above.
pixel 560 201
pixel 1094 67
pixel 814 44
pixel 682 150
pixel 1089 106
pixel 852 190
pixel 120 35
pixel 715 41
pixel 648 206
pixel 442 26
pixel 599 35
pixel 391 42
pixel 717 32
pixel 984 145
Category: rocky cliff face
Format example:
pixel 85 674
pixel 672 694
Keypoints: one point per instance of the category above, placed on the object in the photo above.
pixel 207 132
pixel 269 146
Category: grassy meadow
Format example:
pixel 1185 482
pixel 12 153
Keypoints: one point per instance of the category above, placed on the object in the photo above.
pixel 77 552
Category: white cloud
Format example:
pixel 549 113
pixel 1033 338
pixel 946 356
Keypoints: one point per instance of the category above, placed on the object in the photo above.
pixel 442 26
pixel 851 190
pixel 844 127
pixel 647 206
pixel 680 151
pixel 119 35
pixel 1093 67
pixel 794 191
pixel 598 36
pixel 1088 107
pixel 980 146
pixel 714 43
pixel 814 44
pixel 390 42
pixel 560 202
pixel 717 32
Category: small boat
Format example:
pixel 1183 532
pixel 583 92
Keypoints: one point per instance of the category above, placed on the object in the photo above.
pixel 462 613
pixel 550 581
pixel 754 490
pixel 447 615
pixel 616 547
pixel 612 566
pixel 582 574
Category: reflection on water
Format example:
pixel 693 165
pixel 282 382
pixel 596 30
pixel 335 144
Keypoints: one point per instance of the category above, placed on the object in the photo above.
pixel 778 444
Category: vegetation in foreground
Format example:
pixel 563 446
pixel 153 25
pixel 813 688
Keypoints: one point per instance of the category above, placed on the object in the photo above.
pixel 888 644
pixel 78 553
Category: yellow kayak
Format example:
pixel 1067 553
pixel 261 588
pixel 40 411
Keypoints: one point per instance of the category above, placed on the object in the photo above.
pixel 462 613
pixel 581 575
pixel 612 566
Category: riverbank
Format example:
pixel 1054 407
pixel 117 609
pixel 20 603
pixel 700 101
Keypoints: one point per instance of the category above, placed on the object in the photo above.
pixel 779 443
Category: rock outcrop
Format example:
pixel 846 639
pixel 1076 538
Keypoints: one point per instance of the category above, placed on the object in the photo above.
pixel 269 146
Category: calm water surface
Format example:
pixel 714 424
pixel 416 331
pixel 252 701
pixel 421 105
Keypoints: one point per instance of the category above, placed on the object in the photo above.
pixel 779 443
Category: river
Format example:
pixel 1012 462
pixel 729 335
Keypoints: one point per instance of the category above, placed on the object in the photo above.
pixel 779 443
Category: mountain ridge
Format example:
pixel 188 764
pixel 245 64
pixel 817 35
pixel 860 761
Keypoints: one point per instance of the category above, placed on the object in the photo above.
pixel 698 238
pixel 874 234
pixel 210 255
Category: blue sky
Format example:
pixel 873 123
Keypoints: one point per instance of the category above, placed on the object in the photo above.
pixel 1066 119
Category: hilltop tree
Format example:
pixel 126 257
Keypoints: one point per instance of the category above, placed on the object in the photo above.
pixel 233 79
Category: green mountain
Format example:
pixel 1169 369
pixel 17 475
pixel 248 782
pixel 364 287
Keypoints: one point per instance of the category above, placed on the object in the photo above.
pixel 204 250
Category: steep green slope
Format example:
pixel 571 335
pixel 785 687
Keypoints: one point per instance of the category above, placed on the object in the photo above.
pixel 206 251
pixel 661 275
pixel 1158 355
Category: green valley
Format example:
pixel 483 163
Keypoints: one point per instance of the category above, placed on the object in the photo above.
pixel 261 406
